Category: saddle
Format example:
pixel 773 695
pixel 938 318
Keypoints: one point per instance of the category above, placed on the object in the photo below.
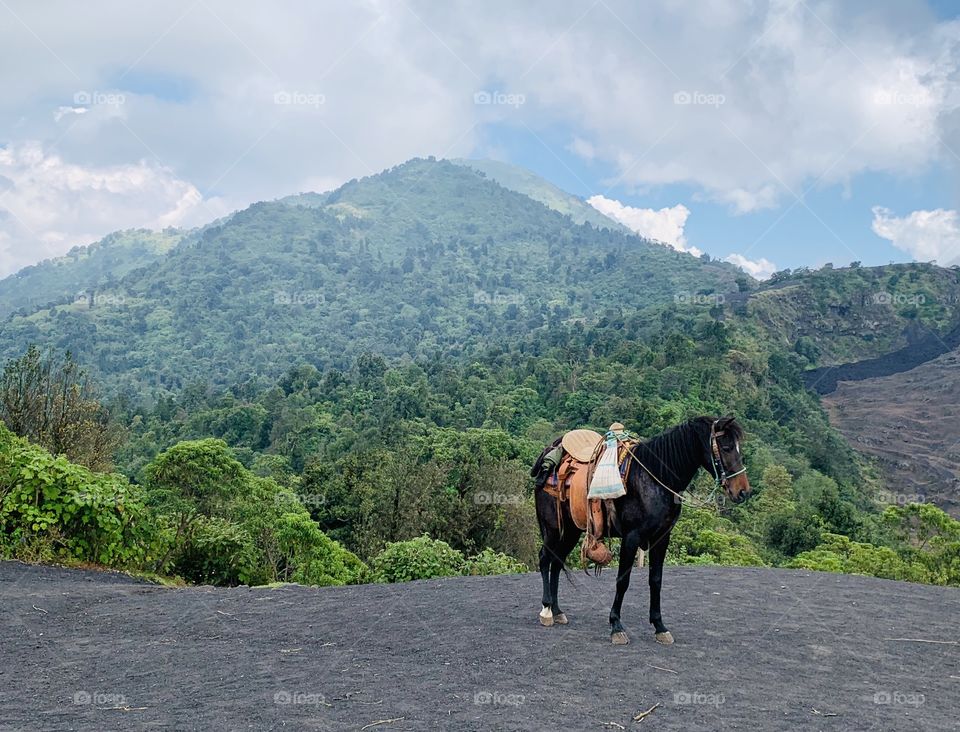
pixel 570 483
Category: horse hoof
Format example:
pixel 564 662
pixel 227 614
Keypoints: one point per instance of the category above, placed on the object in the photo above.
pixel 619 638
pixel 560 619
pixel 546 617
pixel 665 638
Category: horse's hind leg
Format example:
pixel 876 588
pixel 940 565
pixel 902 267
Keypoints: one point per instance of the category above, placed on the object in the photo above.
pixel 546 558
pixel 566 544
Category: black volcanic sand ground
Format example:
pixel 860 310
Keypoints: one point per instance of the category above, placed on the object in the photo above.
pixel 756 649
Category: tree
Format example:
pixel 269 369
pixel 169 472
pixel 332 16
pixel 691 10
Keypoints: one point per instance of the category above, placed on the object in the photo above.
pixel 51 402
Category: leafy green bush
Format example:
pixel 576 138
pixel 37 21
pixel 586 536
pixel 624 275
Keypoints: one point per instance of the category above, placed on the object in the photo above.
pixel 310 557
pixel 838 553
pixel 51 507
pixel 490 562
pixel 217 552
pixel 420 558
pixel 700 533
pixel 224 525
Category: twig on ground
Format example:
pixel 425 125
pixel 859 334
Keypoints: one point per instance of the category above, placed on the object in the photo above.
pixel 121 709
pixel 40 609
pixel 925 640
pixel 613 724
pixel 823 714
pixel 381 721
pixel 661 668
pixel 291 650
pixel 640 717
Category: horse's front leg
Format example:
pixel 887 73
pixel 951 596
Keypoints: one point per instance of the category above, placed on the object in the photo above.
pixel 628 554
pixel 658 553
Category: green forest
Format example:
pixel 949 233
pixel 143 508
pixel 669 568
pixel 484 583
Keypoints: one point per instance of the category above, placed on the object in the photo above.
pixel 354 390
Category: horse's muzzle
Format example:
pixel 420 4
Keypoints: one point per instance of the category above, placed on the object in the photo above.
pixel 738 488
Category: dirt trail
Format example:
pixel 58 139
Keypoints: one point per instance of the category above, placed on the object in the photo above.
pixel 756 649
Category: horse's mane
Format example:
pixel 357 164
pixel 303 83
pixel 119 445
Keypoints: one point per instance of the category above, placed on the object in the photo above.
pixel 669 452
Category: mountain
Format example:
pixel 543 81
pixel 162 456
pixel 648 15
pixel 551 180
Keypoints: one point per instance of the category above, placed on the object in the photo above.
pixel 426 259
pixel 881 345
pixel 84 267
pixel 910 422
pixel 530 184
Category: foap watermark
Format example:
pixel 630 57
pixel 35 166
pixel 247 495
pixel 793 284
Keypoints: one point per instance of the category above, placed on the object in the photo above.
pixel 699 298
pixel 895 97
pixel 304 698
pixel 84 98
pixel 484 498
pixel 899 698
pixel 900 499
pixel 499 98
pixel 487 298
pixel 498 698
pixel 98 299
pixel 99 698
pixel 698 98
pixel 310 500
pixel 686 698
pixel 286 98
pixel 298 297
pixel 899 298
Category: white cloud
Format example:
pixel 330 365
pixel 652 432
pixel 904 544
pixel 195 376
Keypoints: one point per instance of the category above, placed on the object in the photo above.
pixel 48 205
pixel 924 235
pixel 665 225
pixel 773 96
pixel 760 268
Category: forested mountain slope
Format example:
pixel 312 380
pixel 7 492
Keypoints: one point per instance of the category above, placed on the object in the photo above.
pixel 82 270
pixel 429 258
pixel 523 181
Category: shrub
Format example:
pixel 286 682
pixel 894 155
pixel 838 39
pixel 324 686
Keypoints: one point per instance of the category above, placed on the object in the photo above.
pixel 702 533
pixel 50 507
pixel 309 556
pixel 490 562
pixel 217 552
pixel 420 558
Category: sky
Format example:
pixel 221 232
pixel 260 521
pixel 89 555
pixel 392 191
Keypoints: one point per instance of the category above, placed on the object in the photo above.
pixel 774 134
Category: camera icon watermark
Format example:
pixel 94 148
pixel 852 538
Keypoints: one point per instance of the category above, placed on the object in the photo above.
pixel 481 297
pixel 285 697
pixel 899 698
pixel 895 97
pixel 505 99
pixel 485 498
pixel 699 298
pixel 298 297
pixel 698 98
pixel 899 298
pixel 286 98
pixel 99 699
pixel 498 698
pixel 686 698
pixel 84 98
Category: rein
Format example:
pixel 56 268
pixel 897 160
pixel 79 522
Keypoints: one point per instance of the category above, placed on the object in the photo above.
pixel 720 474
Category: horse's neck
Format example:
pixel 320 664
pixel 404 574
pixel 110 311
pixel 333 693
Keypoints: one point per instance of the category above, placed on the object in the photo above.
pixel 677 457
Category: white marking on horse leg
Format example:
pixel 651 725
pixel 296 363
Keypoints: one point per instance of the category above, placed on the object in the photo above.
pixel 546 617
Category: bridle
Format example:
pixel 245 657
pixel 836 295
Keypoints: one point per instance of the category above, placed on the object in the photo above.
pixel 720 474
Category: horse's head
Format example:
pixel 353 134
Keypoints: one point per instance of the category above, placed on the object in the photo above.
pixel 725 460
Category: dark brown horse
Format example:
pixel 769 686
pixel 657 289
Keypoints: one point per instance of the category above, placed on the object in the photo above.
pixel 662 468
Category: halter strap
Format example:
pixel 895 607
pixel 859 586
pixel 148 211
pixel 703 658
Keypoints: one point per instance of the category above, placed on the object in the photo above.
pixel 720 474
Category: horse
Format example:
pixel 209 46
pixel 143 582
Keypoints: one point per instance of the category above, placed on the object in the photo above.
pixel 662 469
